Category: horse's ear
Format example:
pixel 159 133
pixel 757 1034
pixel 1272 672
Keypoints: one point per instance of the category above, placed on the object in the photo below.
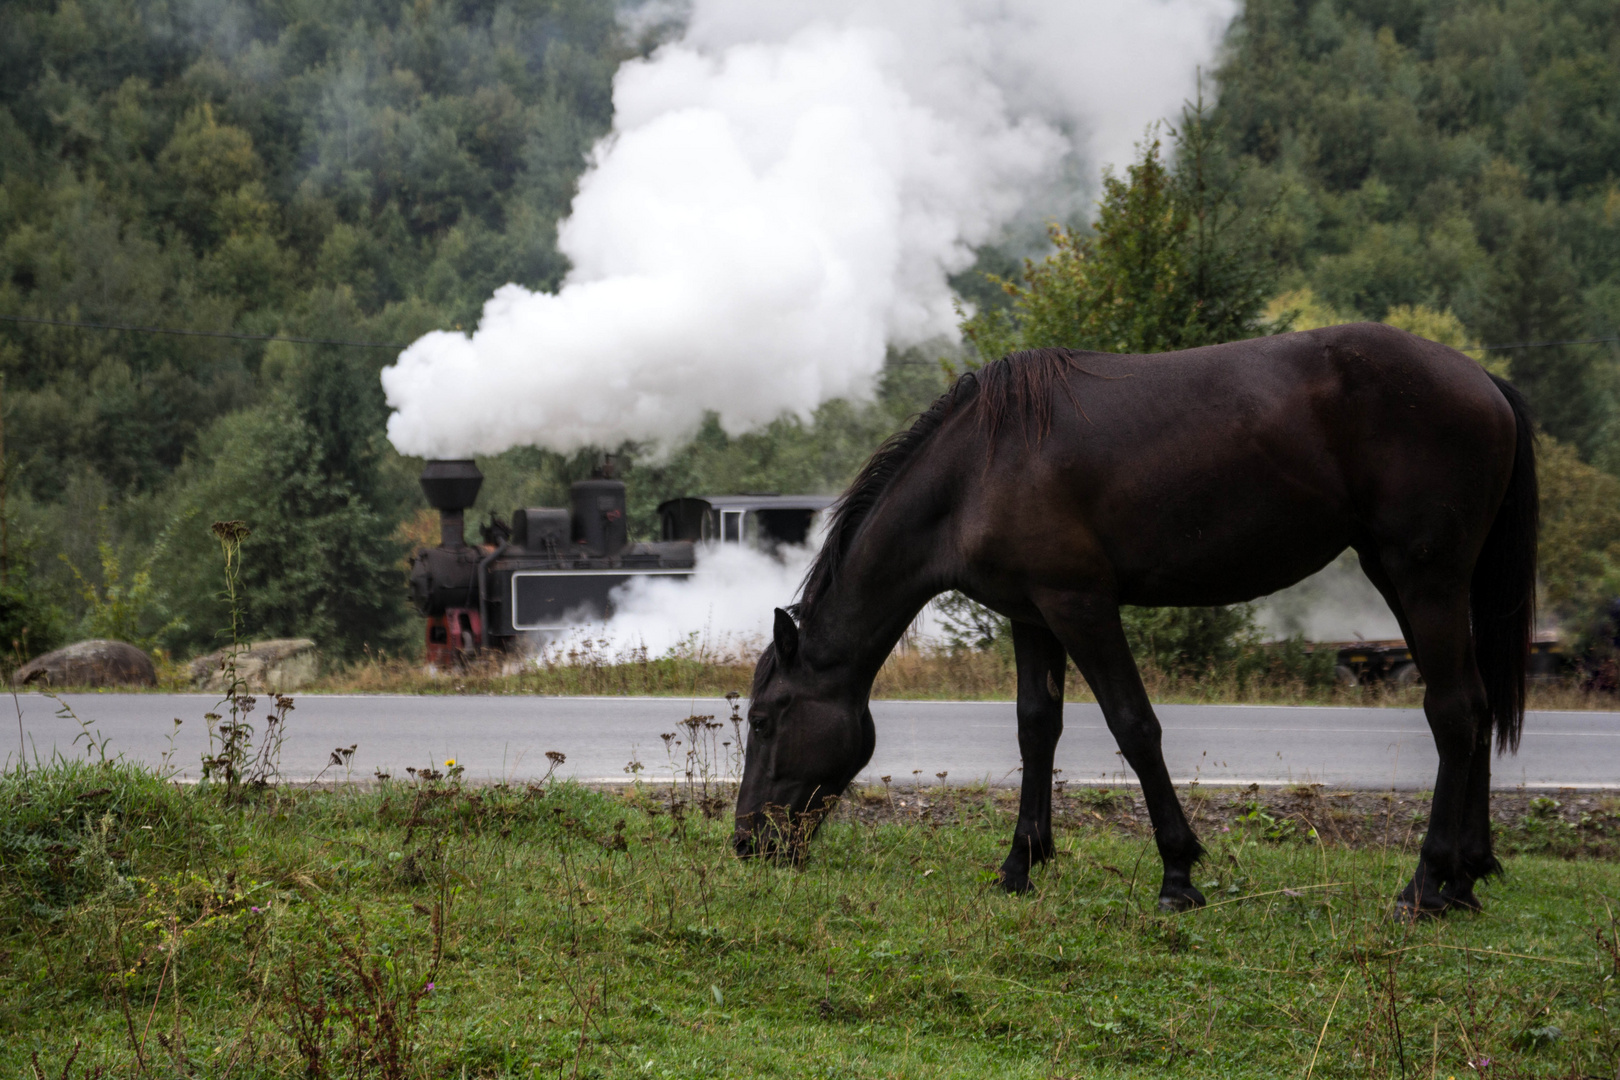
pixel 787 636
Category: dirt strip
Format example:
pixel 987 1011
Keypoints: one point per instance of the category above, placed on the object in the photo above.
pixel 1568 822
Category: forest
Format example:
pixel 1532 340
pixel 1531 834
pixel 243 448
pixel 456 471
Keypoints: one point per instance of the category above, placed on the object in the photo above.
pixel 361 172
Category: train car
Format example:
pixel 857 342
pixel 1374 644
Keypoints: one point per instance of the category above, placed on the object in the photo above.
pixel 1362 663
pixel 553 568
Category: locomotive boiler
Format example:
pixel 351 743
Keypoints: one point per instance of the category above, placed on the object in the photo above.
pixel 552 568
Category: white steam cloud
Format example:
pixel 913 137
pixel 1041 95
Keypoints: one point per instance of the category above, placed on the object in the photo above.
pixel 1337 603
pixel 724 609
pixel 785 191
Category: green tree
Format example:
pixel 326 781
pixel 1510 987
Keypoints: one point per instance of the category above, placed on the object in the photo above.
pixel 117 609
pixel 1580 539
pixel 1168 264
pixel 1453 156
pixel 213 180
pixel 29 623
pixel 347 170
pixel 1533 295
pixel 320 562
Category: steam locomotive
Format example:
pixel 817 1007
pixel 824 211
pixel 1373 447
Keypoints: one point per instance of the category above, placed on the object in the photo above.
pixel 553 568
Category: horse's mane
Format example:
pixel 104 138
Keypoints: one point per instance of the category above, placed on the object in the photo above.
pixel 1015 390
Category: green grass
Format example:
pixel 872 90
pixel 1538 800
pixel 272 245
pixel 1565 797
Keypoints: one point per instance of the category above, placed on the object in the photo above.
pixel 570 932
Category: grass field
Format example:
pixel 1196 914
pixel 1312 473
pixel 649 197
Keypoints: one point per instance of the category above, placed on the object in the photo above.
pixel 424 929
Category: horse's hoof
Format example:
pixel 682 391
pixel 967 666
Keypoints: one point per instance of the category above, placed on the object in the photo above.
pixel 1186 900
pixel 1461 901
pixel 1015 883
pixel 1408 912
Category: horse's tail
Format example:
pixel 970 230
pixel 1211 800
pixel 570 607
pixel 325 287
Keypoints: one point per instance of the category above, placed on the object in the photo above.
pixel 1504 584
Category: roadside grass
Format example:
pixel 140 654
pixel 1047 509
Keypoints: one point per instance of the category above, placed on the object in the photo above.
pixel 591 668
pixel 422 928
pixel 925 675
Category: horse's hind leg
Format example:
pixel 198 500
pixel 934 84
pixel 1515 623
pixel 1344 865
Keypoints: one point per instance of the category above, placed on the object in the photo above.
pixel 1478 860
pixel 1090 630
pixel 1431 601
pixel 1041 662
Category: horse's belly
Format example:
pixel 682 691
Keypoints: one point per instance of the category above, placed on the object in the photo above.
pixel 1195 558
pixel 1246 576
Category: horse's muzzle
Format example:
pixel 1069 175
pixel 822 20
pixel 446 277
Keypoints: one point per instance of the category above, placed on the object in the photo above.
pixel 759 836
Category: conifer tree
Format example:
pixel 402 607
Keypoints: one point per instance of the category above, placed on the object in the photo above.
pixel 1168 264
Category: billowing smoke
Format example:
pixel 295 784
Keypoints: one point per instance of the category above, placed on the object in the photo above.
pixel 785 191
pixel 1337 603
pixel 724 610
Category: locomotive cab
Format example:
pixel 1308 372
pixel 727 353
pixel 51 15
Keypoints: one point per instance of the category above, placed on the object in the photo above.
pixel 764 520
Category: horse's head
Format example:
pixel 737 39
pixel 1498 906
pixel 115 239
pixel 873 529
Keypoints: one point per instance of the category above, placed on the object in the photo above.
pixel 809 733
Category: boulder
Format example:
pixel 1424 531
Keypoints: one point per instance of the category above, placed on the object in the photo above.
pixel 89 663
pixel 267 667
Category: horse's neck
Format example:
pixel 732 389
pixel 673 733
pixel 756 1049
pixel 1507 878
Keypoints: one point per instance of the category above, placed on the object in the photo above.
pixel 886 577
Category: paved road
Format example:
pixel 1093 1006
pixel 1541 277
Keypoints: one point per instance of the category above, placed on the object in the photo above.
pixel 508 737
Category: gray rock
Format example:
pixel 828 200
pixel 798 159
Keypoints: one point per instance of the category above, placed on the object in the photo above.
pixel 267 667
pixel 89 663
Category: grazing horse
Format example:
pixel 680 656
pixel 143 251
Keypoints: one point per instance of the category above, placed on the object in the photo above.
pixel 1052 486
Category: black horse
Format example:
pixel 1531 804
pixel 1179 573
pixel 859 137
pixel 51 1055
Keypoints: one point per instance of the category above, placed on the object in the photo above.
pixel 1053 486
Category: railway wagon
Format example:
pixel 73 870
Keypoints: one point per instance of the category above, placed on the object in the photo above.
pixel 1362 663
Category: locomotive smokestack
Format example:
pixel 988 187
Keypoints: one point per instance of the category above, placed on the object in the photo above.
pixel 451 487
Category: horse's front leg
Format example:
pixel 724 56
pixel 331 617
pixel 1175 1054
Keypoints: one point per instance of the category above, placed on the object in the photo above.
pixel 1089 627
pixel 1041 663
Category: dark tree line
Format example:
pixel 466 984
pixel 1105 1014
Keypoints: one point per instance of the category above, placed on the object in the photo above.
pixel 1462 156
pixel 364 170
pixel 348 170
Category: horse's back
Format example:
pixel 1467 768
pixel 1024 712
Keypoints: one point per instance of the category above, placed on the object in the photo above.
pixel 1363 372
pixel 1221 473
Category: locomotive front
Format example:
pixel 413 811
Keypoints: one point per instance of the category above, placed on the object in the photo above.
pixel 550 569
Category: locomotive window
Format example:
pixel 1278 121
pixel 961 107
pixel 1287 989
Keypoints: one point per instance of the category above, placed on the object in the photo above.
pixel 785 526
pixel 731 526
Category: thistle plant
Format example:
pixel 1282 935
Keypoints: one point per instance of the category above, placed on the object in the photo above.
pixel 232 757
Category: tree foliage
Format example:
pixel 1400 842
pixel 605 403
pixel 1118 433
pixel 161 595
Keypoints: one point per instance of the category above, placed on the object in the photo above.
pixel 371 171
pixel 348 170
pixel 1462 157
pixel 116 608
pixel 1168 263
pixel 320 560
pixel 1580 540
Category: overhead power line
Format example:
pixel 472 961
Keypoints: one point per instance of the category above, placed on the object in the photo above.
pixel 397 345
pixel 203 333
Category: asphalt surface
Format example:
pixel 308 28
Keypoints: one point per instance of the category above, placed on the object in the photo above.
pixel 507 738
